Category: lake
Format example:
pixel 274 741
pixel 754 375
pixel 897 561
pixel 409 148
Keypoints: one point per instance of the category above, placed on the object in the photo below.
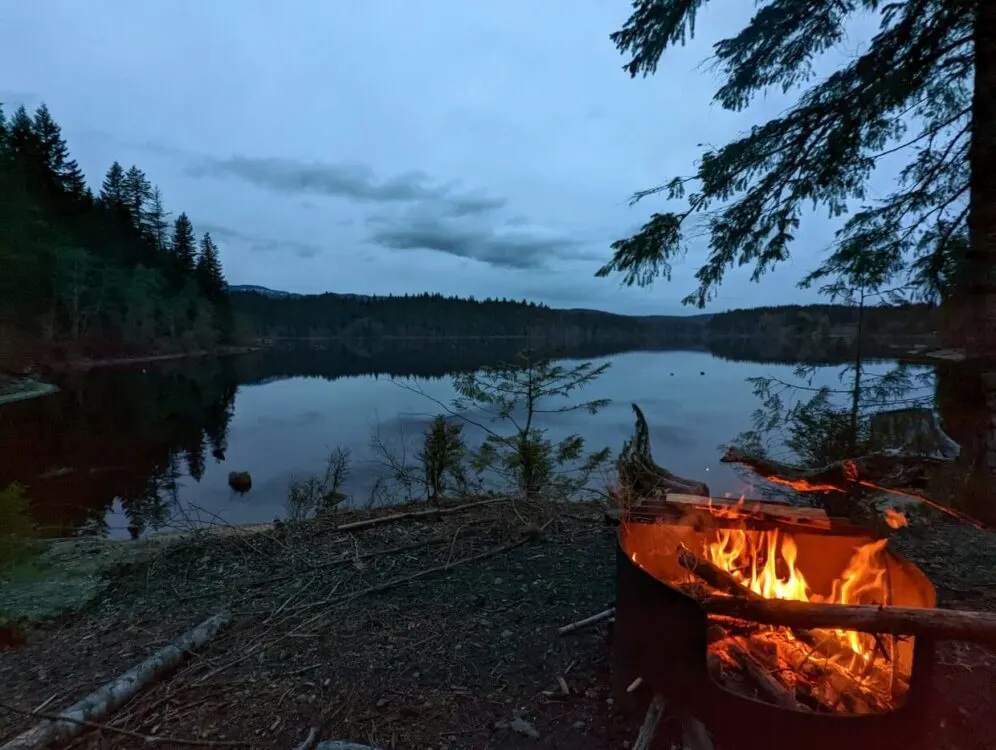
pixel 128 450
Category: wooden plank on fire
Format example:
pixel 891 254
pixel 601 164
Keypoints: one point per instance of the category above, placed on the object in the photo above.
pixel 940 624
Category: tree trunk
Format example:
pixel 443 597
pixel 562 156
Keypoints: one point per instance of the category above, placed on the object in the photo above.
pixel 972 322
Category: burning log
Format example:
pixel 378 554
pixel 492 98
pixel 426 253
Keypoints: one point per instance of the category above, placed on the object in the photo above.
pixel 713 575
pixel 939 624
pixel 641 477
pixel 722 581
pixel 742 656
pixel 902 475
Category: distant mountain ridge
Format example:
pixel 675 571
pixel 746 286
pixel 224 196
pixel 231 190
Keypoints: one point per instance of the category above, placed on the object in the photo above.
pixel 280 294
pixel 265 291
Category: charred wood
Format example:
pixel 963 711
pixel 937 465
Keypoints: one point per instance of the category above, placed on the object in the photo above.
pixel 903 475
pixel 939 624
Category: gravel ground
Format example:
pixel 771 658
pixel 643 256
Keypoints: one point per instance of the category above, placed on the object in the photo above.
pixel 334 630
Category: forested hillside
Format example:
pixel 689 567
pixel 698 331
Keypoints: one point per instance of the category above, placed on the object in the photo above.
pixel 102 274
pixel 266 315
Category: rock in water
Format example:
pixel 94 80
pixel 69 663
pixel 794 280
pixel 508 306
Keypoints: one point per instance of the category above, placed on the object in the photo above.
pixel 240 481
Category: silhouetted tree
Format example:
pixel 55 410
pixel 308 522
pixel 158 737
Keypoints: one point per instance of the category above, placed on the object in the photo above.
pixel 925 85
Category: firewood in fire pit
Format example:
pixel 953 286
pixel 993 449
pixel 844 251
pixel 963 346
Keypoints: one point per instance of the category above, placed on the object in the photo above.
pixel 738 652
pixel 722 581
pixel 900 474
pixel 941 624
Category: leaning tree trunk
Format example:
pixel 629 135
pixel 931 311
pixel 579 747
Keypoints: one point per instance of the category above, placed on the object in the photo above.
pixel 973 326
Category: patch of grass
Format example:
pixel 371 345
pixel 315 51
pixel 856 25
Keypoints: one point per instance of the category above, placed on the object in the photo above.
pixel 18 532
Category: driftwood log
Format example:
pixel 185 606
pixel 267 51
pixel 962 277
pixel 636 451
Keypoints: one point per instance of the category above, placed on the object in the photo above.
pixel 641 478
pixel 117 692
pixel 902 475
pixel 941 624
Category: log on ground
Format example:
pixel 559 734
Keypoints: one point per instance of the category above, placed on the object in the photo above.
pixel 114 694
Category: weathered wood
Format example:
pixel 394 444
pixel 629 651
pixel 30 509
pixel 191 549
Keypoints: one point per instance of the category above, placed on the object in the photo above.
pixel 641 477
pixel 117 692
pixel 902 475
pixel 940 624
pixel 648 730
pixel 381 520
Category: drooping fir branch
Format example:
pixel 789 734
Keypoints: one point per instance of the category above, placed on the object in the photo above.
pixel 908 90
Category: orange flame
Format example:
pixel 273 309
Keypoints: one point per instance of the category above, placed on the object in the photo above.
pixel 765 563
pixel 896 519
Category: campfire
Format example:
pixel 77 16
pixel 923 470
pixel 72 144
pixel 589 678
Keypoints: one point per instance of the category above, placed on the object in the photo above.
pixel 760 553
pixel 764 624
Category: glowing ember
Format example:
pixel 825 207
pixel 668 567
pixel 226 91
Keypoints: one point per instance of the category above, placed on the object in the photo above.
pixel 846 669
pixel 896 519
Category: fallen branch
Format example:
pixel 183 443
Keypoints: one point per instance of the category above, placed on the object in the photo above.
pixel 343 560
pixel 149 739
pixel 901 475
pixel 587 621
pixel 381 520
pixel 648 730
pixel 940 624
pixel 117 692
pixel 309 741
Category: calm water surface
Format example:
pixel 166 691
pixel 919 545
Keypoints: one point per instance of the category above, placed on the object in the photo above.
pixel 130 450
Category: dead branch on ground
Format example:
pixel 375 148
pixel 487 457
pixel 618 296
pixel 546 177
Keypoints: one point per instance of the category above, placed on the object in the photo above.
pixel 117 692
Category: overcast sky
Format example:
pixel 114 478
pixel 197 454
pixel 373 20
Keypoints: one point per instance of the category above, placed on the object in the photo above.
pixel 391 146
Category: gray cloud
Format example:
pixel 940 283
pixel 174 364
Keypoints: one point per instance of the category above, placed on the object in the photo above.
pixel 521 249
pixel 344 180
pixel 258 244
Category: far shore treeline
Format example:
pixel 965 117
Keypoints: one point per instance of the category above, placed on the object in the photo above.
pixel 107 271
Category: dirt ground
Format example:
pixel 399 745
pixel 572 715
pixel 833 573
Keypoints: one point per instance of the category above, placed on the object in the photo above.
pixel 360 635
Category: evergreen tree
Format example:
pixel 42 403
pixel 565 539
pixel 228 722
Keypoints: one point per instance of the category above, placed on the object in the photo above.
pixel 112 191
pixel 209 273
pixel 60 172
pixel 24 148
pixel 78 271
pixel 136 190
pixel 157 220
pixel 184 245
pixel 925 85
pixel 4 136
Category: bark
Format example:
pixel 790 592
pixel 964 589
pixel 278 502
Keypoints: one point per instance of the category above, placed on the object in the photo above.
pixel 117 692
pixel 904 475
pixel 641 477
pixel 941 624
pixel 972 325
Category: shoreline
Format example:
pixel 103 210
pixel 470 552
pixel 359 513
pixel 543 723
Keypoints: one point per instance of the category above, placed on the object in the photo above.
pixel 15 388
pixel 85 364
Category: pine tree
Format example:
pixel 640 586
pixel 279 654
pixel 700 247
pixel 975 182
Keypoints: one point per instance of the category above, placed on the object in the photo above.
pixel 209 272
pixel 184 246
pixel 137 190
pixel 21 138
pixel 157 221
pixel 112 191
pixel 4 136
